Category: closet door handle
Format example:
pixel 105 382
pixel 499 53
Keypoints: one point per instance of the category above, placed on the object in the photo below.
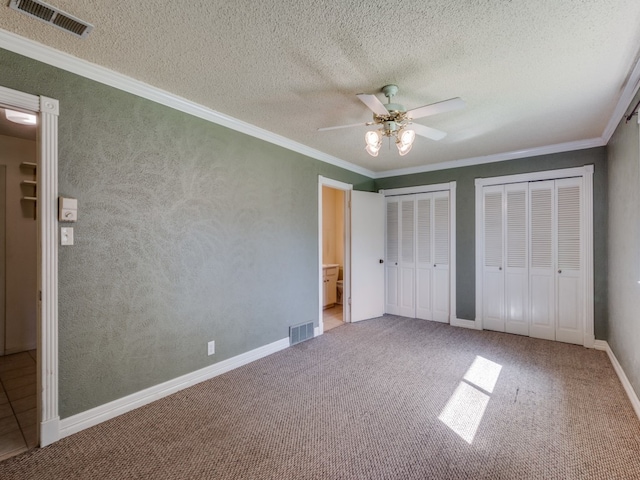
pixel 499 268
pixel 559 271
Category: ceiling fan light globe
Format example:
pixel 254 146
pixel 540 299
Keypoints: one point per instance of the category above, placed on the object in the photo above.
pixel 406 137
pixel 373 139
pixel 373 151
pixel 403 149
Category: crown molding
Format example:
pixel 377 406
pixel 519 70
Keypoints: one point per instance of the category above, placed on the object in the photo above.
pixel 498 157
pixel 628 92
pixel 50 56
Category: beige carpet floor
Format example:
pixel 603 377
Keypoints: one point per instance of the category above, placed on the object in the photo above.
pixel 389 398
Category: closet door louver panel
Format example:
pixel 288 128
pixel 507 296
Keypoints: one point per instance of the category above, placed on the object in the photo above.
pixel 541 263
pixel 392 231
pixel 516 271
pixel 542 225
pixel 493 294
pixel 424 230
pixel 441 231
pixel 392 256
pixel 517 226
pixel 569 216
pixel 493 227
pixel 441 256
pixel 407 257
pixel 407 231
pixel 569 325
pixel 424 265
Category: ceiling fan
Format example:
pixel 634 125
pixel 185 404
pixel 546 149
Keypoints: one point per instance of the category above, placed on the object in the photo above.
pixel 394 119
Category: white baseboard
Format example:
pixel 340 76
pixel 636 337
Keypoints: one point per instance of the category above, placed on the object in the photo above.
pixel 633 397
pixel 49 432
pixel 590 341
pixel 89 418
pixel 461 322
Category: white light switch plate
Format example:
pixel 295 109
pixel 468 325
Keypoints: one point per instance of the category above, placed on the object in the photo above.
pixel 66 236
pixel 211 347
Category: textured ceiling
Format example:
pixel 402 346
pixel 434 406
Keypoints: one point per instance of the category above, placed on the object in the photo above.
pixel 533 73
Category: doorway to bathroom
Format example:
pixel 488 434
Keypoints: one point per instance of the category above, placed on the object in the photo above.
pixel 333 257
pixel 334 254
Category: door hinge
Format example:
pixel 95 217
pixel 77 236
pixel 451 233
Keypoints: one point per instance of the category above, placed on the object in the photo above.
pixel 349 300
pixel 40 295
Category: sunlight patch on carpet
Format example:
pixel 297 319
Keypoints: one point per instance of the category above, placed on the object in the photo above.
pixel 465 409
pixel 483 373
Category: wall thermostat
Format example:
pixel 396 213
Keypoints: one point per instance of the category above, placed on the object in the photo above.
pixel 67 209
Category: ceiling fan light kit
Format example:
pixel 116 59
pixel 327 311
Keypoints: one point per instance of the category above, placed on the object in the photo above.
pixel 394 119
pixel 20 117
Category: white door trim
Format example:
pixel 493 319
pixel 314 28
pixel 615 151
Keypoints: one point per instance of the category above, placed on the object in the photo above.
pixel 438 187
pixel 47 187
pixel 346 268
pixel 536 176
pixel 586 172
pixel 452 253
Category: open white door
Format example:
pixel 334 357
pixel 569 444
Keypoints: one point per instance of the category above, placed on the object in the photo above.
pixel 367 254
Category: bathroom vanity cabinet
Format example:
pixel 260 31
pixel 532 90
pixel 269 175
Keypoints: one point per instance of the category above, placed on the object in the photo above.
pixel 329 284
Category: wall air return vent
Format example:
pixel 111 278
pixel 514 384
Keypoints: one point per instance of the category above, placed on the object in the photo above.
pixel 52 16
pixel 300 333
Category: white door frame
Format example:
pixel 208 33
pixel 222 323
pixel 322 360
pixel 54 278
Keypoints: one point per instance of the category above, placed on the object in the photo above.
pixel 346 267
pixel 47 193
pixel 438 187
pixel 586 172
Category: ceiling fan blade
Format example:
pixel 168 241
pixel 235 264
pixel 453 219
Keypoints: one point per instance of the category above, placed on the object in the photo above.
pixel 374 104
pixel 427 132
pixel 324 129
pixel 435 108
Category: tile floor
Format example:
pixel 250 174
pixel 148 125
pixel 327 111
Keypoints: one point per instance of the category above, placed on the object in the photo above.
pixel 332 317
pixel 18 430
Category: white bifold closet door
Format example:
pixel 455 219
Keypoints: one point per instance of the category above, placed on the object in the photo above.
pixel 532 272
pixel 505 279
pixel 542 264
pixel 556 260
pixel 570 274
pixel 417 263
pixel 400 257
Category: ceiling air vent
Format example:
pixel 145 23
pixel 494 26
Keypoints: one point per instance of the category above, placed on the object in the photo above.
pixel 52 16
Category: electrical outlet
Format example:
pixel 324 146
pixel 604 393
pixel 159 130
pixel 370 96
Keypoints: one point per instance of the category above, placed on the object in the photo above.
pixel 211 347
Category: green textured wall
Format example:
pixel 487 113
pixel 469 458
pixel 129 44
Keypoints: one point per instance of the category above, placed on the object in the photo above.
pixel 465 218
pixel 187 232
pixel 624 242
